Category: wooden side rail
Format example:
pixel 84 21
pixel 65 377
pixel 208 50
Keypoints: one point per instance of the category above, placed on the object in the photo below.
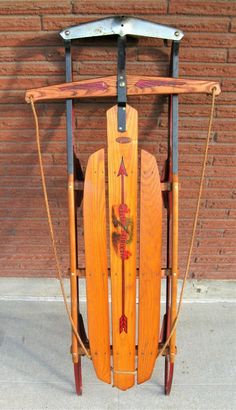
pixel 107 87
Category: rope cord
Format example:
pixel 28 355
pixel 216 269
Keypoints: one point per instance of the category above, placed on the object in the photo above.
pixel 204 163
pixel 58 268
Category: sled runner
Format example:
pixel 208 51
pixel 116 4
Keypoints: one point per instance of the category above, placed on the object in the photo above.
pixel 122 186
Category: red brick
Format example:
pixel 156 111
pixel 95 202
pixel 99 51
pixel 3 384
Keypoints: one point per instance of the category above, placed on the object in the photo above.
pixel 233 25
pixel 29 39
pixel 223 40
pixel 23 123
pixel 30 148
pixel 225 137
pixel 224 98
pixel 35 7
pixel 220 242
pixel 221 204
pixel 230 233
pixel 102 54
pixel 12 96
pixel 24 83
pixel 41 68
pixel 204 214
pixel 33 170
pixel 232 56
pixel 201 7
pixel 108 68
pixel 36 54
pixel 121 7
pixel 224 183
pixel 34 59
pixel 55 23
pixel 218 258
pixel 10 23
pixel 42 110
pixel 220 224
pixel 207 70
pixel 206 251
pixel 196 24
pixel 226 111
pixel 228 84
pixel 186 54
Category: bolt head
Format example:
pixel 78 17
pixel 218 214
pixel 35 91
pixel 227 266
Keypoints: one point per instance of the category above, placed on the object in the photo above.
pixel 177 33
pixel 67 32
pixel 122 84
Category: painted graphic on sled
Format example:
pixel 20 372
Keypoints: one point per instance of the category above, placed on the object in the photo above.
pixel 121 238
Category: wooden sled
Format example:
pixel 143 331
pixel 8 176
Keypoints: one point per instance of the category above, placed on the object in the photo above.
pixel 123 343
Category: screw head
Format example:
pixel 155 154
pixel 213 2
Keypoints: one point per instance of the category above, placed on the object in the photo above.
pixel 120 128
pixel 177 33
pixel 67 32
pixel 122 84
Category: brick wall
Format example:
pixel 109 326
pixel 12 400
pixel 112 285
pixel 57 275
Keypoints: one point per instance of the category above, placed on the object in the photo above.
pixel 32 55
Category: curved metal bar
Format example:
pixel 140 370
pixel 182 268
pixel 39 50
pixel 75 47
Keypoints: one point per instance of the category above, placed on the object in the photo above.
pixel 121 26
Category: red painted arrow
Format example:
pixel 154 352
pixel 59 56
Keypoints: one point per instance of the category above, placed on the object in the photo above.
pixel 124 254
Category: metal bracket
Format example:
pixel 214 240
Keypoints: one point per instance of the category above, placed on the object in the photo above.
pixel 121 85
pixel 121 26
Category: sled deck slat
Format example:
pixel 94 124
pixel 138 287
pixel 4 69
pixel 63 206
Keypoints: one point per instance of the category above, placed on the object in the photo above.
pixel 94 210
pixel 122 183
pixel 150 266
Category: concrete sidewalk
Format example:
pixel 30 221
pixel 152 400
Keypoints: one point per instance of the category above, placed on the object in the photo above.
pixel 36 369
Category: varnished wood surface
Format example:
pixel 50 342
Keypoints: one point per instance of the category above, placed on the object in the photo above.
pixel 150 266
pixel 123 343
pixel 94 211
pixel 136 85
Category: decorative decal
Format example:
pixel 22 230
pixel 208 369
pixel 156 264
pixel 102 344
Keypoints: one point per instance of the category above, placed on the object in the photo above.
pixel 159 83
pixel 96 86
pixel 121 237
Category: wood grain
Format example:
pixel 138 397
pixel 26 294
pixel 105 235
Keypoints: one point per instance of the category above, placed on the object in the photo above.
pixel 150 266
pixel 96 265
pixel 136 85
pixel 123 343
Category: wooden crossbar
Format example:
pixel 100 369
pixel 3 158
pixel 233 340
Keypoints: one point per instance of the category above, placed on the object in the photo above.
pixel 136 85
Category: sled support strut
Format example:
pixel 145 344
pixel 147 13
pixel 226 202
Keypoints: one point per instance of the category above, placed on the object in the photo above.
pixel 72 225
